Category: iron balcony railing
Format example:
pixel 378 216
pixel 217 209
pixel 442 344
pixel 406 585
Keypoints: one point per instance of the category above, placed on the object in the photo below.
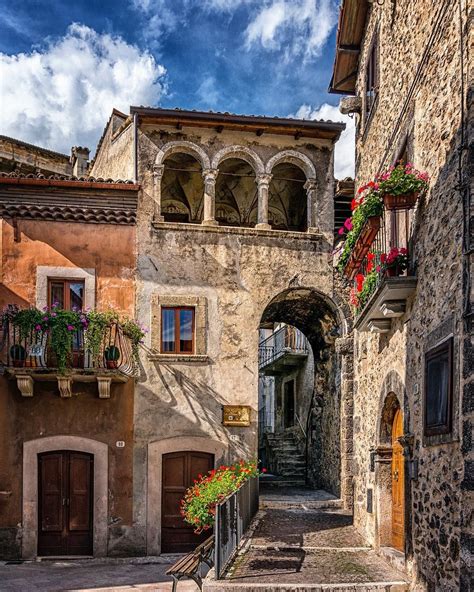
pixel 233 517
pixel 34 351
pixel 286 340
pixel 394 233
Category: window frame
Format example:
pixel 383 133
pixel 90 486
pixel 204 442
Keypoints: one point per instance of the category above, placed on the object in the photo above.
pixel 372 69
pixel 176 350
pixel 67 298
pixel 447 346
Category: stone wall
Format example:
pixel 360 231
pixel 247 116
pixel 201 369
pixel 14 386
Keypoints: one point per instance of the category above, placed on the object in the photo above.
pixel 114 158
pixel 420 99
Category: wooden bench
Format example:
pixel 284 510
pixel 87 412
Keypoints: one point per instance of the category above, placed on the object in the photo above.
pixel 190 565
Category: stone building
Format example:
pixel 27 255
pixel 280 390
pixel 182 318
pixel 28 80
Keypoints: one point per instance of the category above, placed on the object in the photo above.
pixel 234 232
pixel 405 70
pixel 66 440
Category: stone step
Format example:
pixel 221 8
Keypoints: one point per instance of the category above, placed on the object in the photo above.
pixel 278 482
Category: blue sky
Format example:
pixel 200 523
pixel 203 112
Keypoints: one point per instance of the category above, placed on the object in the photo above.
pixel 64 65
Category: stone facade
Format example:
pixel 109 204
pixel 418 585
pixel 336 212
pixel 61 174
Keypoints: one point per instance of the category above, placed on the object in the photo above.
pixel 198 247
pixel 420 107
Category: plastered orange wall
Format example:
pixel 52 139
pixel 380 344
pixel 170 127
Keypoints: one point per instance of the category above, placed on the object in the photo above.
pixel 109 249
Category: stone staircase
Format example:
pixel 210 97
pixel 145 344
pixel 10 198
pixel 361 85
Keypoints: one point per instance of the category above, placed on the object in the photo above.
pixel 287 459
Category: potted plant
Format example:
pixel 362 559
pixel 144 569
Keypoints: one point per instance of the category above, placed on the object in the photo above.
pixel 18 355
pixel 395 262
pixel 401 186
pixel 111 355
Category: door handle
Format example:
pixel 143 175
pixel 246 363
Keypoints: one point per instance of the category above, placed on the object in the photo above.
pixel 65 501
pixel 395 475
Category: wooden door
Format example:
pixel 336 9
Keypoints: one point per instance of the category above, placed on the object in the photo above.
pixel 398 484
pixel 179 471
pixel 65 507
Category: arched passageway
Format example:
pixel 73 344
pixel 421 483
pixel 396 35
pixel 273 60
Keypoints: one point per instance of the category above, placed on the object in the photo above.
pixel 299 372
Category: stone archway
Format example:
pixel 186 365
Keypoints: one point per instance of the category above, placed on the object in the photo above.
pixel 31 449
pixel 185 147
pixel 241 153
pixel 292 156
pixel 156 450
pixel 328 416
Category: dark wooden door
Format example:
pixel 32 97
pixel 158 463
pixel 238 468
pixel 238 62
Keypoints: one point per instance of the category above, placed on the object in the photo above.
pixel 65 505
pixel 398 484
pixel 179 471
pixel 289 404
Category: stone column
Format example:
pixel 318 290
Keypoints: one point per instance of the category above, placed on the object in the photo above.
pixel 158 170
pixel 209 217
pixel 345 360
pixel 263 182
pixel 311 205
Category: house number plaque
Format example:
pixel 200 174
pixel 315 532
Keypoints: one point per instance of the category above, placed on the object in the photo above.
pixel 236 415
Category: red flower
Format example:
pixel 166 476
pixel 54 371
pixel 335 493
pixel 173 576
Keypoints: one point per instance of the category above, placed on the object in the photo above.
pixel 264 470
pixel 360 281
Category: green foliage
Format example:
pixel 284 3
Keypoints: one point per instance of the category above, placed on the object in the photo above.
pixel 136 333
pixel 368 288
pixel 401 180
pixel 97 325
pixel 372 205
pixel 199 504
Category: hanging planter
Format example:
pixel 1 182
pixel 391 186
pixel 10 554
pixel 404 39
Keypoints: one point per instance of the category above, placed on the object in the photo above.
pixel 401 186
pixel 362 246
pixel 405 201
pixel 111 355
pixel 18 355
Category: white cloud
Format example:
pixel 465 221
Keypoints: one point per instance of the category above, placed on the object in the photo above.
pixel 208 93
pixel 299 27
pixel 63 94
pixel 344 156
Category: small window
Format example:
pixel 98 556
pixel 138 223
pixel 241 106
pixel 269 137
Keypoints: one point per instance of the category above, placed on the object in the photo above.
pixel 67 294
pixel 438 389
pixel 371 78
pixel 177 330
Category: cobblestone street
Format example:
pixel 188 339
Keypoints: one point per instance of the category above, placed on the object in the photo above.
pixel 302 540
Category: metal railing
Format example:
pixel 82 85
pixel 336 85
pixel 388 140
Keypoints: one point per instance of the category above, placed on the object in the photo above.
pixel 394 232
pixel 233 517
pixel 288 339
pixel 34 351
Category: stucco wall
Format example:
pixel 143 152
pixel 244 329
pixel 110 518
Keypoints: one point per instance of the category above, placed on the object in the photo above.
pixel 431 122
pixel 109 249
pixel 47 414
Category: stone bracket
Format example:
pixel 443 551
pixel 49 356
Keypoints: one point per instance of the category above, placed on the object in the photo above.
pixel 393 308
pixel 65 386
pixel 379 325
pixel 104 383
pixel 25 385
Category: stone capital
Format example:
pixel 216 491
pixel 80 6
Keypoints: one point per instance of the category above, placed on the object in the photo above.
pixel 310 184
pixel 264 179
pixel 158 170
pixel 210 174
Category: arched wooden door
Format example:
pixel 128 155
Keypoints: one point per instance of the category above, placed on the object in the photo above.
pixel 179 471
pixel 398 484
pixel 65 503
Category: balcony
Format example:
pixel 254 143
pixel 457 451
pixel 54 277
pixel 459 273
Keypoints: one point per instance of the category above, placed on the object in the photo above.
pixel 388 281
pixel 283 351
pixel 29 357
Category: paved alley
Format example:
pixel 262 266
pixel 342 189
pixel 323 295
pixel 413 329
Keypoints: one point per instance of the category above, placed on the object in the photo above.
pixel 303 540
pixel 108 575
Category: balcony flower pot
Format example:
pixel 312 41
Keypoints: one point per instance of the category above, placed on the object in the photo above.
pixel 405 201
pixel 362 246
pixel 18 355
pixel 394 271
pixel 111 355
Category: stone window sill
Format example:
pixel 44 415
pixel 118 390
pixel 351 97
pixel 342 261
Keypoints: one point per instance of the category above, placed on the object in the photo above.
pixel 178 358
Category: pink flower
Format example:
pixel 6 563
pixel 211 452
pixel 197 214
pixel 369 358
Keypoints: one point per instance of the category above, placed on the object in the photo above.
pixel 38 328
pixel 348 224
pixel 341 231
pixel 70 328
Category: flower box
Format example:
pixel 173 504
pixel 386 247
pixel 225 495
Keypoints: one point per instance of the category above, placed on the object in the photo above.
pixel 362 246
pixel 405 201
